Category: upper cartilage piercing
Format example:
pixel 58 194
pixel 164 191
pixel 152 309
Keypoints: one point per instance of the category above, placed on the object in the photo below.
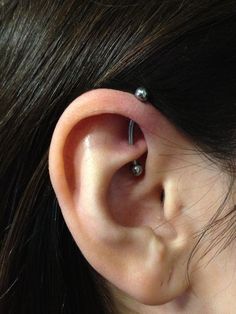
pixel 141 94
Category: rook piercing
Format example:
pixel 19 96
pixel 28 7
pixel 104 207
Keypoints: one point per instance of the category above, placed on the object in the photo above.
pixel 141 94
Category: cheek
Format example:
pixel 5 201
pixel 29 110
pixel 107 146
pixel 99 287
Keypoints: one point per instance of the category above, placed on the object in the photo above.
pixel 203 189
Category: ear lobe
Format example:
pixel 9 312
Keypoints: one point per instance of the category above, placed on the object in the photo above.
pixel 88 165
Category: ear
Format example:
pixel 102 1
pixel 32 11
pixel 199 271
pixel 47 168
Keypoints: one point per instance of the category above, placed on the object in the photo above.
pixel 110 213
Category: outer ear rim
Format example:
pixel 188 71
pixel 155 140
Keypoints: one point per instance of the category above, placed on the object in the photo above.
pixel 114 102
pixel 111 102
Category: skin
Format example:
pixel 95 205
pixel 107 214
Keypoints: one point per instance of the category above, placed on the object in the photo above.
pixel 213 288
pixel 137 241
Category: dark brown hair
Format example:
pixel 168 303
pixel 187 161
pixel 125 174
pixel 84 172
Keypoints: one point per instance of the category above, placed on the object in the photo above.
pixel 183 51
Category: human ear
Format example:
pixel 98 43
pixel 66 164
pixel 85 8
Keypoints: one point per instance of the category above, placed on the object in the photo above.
pixel 110 212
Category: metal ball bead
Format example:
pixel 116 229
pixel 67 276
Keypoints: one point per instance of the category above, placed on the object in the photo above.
pixel 137 170
pixel 141 93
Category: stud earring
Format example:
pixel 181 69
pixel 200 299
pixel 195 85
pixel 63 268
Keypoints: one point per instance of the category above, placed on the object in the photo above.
pixel 141 94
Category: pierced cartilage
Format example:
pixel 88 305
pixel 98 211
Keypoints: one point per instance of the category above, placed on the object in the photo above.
pixel 141 94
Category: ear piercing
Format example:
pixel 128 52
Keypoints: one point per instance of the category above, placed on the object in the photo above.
pixel 141 94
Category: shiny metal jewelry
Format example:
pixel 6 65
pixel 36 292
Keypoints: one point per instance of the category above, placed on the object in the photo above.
pixel 141 94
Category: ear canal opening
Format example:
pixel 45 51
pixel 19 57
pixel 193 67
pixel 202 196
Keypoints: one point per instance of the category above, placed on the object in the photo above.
pixel 162 197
